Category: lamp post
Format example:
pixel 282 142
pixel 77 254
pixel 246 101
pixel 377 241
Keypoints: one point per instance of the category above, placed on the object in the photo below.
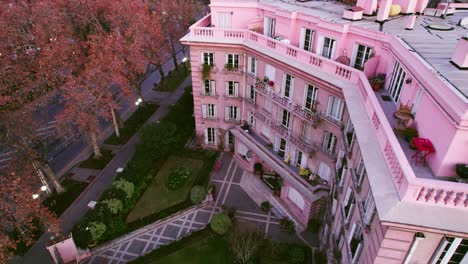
pixel 184 60
pixel 138 102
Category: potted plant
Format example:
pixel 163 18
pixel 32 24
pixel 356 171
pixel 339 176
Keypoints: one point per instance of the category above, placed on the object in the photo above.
pixel 269 146
pixel 271 83
pixel 287 225
pixel 266 79
pixel 206 70
pixel 409 134
pixel 378 81
pixel 229 67
pixel 266 206
pixel 258 168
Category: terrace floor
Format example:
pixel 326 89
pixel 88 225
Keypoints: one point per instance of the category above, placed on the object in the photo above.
pixel 389 107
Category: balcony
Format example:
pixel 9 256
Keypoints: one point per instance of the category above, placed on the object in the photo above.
pixel 290 173
pixel 361 100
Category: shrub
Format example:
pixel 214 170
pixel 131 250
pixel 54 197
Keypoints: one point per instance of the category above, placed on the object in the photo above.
pixel 266 206
pixel 114 205
pixel 314 225
pixel 197 194
pixel 287 225
pixel 296 255
pixel 178 178
pixel 126 186
pixel 96 229
pixel 220 223
pixel 258 167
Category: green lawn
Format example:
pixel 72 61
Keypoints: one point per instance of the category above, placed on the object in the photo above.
pixel 133 124
pixel 210 250
pixel 58 203
pixel 173 80
pixel 157 197
pixel 98 164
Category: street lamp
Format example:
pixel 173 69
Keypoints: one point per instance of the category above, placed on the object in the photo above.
pixel 184 61
pixel 139 101
pixel 35 196
pixel 44 188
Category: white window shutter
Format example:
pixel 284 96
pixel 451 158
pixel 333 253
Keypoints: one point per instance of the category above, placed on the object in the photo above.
pixel 215 111
pixel 351 233
pixel 304 160
pixel 213 87
pixel 332 56
pixel 340 109
pixel 347 196
pixel 238 113
pixel 249 64
pixel 236 89
pixel 204 111
pixel 227 88
pixel 256 68
pixel 353 56
pixel 227 58
pixel 319 46
pixel 206 135
pixel 283 84
pixel 330 105
pixel 201 58
pixel 291 90
pixel 226 113
pixel 265 26
pixel 306 87
pixel 302 38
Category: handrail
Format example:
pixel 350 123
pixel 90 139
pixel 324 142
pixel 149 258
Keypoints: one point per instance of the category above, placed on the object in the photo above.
pixel 408 186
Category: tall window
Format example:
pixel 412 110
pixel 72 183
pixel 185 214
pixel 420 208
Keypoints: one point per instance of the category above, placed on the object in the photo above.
pixel 396 82
pixel 335 108
pixel 306 131
pixel 251 119
pixel 328 47
pixel 451 250
pixel 355 242
pixel 208 58
pixel 209 111
pixel 324 171
pixel 329 142
pixel 209 88
pixel 232 88
pixel 348 204
pixel 269 26
pixel 306 38
pixel 210 137
pixel 224 19
pixel 270 72
pixel 369 208
pixel 233 60
pixel 311 97
pixel 252 66
pixel 360 172
pixel 288 85
pixel 252 93
pixel 286 118
pixel 362 54
pixel 232 113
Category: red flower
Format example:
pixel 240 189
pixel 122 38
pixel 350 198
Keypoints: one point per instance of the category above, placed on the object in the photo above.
pixel 271 83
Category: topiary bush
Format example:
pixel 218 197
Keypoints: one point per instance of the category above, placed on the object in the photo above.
pixel 288 225
pixel 198 194
pixel 220 223
pixel 96 229
pixel 125 186
pixel 113 205
pixel 266 206
pixel 296 255
pixel 178 178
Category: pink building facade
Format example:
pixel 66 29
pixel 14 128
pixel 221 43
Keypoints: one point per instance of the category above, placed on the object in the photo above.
pixel 287 86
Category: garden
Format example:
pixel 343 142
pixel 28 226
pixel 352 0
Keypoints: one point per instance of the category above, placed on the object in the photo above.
pixel 159 154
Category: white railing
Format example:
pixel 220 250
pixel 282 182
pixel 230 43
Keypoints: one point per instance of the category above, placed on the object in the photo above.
pixel 405 181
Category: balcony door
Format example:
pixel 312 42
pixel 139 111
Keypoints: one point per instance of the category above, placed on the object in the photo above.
pixel 280 146
pixel 269 25
pixel 396 83
pixel 224 20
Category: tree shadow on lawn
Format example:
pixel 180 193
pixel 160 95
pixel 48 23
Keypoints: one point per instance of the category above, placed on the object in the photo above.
pixel 157 197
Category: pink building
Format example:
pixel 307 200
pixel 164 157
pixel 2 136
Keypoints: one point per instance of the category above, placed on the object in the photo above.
pixel 286 84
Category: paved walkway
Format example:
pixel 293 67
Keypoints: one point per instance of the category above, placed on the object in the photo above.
pixel 38 253
pixel 227 181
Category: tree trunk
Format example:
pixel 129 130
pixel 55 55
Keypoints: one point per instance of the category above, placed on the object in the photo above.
pixel 114 120
pixel 97 151
pixel 51 175
pixel 174 54
pixel 120 121
pixel 161 71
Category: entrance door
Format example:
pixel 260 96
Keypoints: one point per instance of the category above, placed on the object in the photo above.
pixel 396 83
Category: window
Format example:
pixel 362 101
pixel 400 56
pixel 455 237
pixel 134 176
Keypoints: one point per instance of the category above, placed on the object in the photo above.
pixel 324 171
pixel 269 26
pixel 210 137
pixel 224 19
pixel 348 204
pixel 369 208
pixel 360 172
pixel 232 88
pixel 230 138
pixel 299 158
pixel 355 241
pixel 232 113
pixel 396 82
pixel 267 104
pixel 252 93
pixel 251 119
pixel 288 85
pixel 296 198
pixel 208 58
pixel 252 66
pixel 349 132
pixel 310 98
pixel 209 111
pixel 286 118
pixel 281 146
pixel 209 88
pixel 270 72
pixel 361 55
pixel 328 48
pixel 306 131
pixel 452 250
pixel 306 39
pixel 329 142
pixel 233 60
pixel 266 131
pixel 335 108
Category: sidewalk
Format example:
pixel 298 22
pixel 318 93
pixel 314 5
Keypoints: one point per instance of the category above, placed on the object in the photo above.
pixel 38 253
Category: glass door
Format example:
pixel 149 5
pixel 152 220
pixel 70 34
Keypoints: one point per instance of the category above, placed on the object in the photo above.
pixel 396 82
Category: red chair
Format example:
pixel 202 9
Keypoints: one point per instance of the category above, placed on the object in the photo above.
pixel 424 147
